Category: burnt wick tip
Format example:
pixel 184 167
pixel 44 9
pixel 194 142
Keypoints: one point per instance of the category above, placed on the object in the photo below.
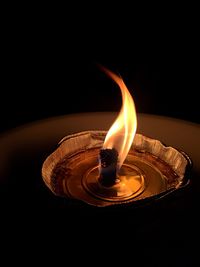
pixel 108 172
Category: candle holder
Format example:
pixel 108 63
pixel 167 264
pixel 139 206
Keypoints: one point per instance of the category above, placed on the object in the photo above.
pixel 151 170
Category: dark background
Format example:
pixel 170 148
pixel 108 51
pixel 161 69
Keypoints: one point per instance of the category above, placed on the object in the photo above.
pixel 50 65
pixel 49 68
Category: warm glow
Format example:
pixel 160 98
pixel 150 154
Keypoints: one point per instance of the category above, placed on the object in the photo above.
pixel 122 132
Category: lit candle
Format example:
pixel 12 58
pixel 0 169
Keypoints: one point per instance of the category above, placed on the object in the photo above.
pixel 115 167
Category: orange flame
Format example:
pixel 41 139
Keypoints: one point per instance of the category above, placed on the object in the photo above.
pixel 121 134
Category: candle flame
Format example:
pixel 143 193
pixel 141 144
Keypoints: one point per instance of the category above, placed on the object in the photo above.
pixel 121 134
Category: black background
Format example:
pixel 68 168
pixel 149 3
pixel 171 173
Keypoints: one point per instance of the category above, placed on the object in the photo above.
pixel 50 65
pixel 49 68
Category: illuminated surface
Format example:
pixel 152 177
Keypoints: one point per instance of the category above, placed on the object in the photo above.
pixel 140 177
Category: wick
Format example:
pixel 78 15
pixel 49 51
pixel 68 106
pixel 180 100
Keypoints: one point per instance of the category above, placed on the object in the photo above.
pixel 108 167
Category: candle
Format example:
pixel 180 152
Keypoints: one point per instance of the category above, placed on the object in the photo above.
pixel 115 167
